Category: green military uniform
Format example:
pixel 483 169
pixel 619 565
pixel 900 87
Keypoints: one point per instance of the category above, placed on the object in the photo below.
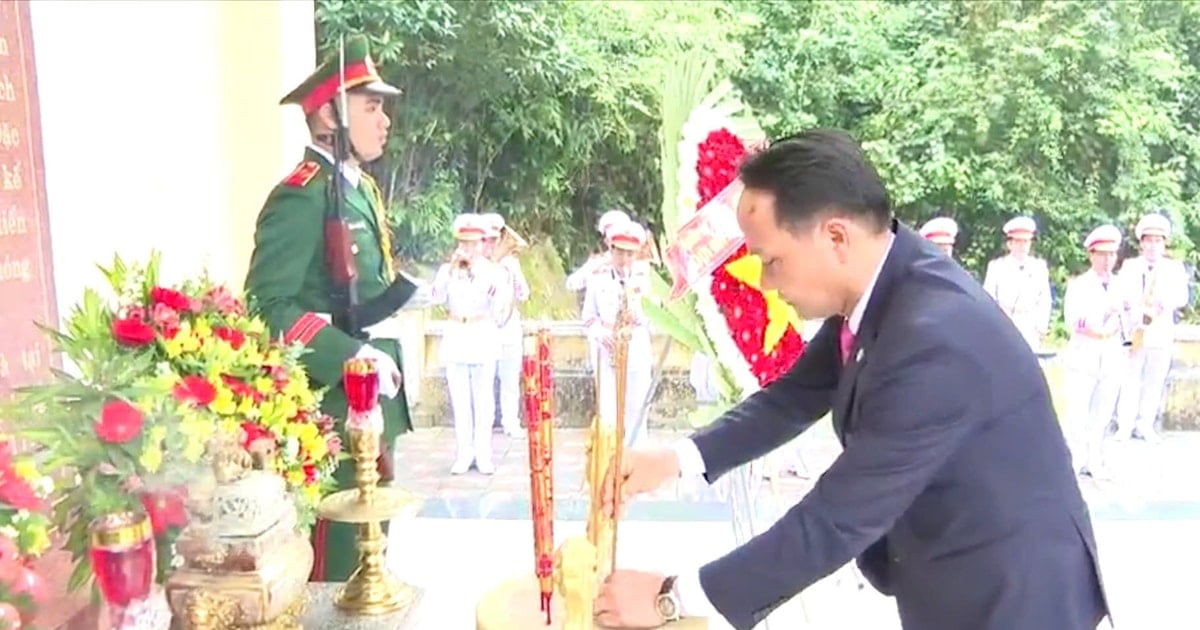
pixel 292 288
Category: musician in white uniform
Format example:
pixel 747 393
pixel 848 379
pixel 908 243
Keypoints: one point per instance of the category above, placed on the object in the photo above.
pixel 508 368
pixel 1156 287
pixel 471 286
pixel 601 304
pixel 941 231
pixel 1095 311
pixel 1020 282
pixel 578 279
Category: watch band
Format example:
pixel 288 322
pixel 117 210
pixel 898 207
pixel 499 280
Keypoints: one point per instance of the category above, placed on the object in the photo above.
pixel 667 601
pixel 667 585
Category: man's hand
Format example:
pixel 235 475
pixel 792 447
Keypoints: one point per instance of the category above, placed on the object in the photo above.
pixel 628 599
pixel 642 471
pixel 389 375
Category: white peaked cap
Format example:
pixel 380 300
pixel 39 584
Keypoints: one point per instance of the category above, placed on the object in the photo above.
pixel 1153 224
pixel 1106 238
pixel 1020 226
pixel 940 230
pixel 627 235
pixel 493 223
pixel 609 218
pixel 469 227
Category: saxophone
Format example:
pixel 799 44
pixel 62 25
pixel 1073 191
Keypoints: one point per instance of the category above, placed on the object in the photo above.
pixel 1138 337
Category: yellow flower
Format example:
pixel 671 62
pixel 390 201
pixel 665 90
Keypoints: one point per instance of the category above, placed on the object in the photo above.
pixel 317 448
pixel 312 492
pixel 152 456
pixel 245 406
pixel 264 385
pixel 224 403
pixel 39 542
pixel 295 477
pixel 25 469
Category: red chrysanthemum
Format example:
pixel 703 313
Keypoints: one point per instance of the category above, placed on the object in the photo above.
pixel 196 390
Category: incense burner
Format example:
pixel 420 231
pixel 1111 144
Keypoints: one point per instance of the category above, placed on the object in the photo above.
pixel 244 563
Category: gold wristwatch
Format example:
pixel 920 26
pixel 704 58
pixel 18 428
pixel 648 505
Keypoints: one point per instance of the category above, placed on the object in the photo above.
pixel 667 602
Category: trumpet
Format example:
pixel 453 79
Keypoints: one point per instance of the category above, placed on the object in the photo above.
pixel 510 243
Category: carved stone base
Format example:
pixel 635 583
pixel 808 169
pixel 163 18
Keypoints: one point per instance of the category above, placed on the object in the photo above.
pixel 513 605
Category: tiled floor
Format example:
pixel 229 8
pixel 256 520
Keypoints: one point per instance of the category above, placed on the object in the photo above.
pixel 474 530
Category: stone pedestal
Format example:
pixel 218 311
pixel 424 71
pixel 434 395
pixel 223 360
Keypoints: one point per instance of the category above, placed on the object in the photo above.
pixel 513 605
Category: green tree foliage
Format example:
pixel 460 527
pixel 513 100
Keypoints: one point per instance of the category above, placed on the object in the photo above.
pixel 1078 113
pixel 546 112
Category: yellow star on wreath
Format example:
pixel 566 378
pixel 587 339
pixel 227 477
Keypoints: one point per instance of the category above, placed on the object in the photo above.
pixel 748 270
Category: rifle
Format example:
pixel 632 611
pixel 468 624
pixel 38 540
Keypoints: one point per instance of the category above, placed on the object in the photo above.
pixel 339 243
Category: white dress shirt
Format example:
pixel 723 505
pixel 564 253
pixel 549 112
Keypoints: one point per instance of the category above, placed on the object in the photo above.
pixel 693 602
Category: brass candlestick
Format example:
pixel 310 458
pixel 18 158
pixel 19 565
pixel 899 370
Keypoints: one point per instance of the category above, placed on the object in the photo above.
pixel 372 589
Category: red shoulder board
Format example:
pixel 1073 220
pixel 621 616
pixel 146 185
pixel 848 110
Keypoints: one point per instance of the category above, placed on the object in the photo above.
pixel 302 175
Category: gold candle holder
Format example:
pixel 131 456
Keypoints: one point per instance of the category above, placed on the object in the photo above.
pixel 372 589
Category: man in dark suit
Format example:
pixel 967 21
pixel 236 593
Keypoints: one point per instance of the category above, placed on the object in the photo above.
pixel 954 489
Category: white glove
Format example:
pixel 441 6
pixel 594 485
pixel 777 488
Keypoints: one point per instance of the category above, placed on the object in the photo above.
pixel 389 374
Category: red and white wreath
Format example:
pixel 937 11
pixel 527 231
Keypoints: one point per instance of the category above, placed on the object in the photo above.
pixel 754 334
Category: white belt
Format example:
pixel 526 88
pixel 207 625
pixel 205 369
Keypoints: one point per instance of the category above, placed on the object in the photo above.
pixel 378 331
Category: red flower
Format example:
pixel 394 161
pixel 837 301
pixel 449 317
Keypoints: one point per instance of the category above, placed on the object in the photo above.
pixel 132 331
pixel 253 433
pixel 310 473
pixel 171 298
pixel 241 388
pixel 119 422
pixel 234 337
pixel 195 390
pixel 222 300
pixel 16 492
pixel 166 318
pixel 166 509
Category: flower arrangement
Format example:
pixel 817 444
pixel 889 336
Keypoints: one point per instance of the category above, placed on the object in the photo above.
pixel 158 376
pixel 24 534
pixel 752 335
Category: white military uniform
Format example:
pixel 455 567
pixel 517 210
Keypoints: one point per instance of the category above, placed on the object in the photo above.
pixel 1021 287
pixel 470 347
pixel 1157 289
pixel 1095 313
pixel 601 303
pixel 577 281
pixel 508 367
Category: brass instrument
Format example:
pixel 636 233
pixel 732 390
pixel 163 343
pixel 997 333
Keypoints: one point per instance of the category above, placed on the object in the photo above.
pixel 1138 337
pixel 510 243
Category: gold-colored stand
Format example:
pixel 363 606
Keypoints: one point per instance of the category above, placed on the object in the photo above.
pixel 507 607
pixel 372 589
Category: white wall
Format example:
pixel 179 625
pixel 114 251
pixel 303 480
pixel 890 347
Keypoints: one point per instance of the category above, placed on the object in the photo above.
pixel 157 136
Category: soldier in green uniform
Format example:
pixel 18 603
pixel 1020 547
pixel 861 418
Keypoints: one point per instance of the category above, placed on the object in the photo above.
pixel 291 279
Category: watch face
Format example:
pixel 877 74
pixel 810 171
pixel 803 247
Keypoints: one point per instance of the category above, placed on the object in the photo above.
pixel 667 607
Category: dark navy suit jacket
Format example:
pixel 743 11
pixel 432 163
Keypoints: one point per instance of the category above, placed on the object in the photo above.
pixel 954 490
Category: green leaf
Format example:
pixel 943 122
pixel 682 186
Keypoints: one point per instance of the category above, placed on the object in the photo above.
pixel 666 322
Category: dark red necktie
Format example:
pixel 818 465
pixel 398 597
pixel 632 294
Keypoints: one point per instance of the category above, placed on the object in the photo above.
pixel 846 341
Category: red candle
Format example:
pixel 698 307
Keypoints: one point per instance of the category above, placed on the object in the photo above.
pixel 541 465
pixel 360 378
pixel 123 557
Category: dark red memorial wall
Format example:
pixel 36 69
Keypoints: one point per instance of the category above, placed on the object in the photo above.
pixel 26 278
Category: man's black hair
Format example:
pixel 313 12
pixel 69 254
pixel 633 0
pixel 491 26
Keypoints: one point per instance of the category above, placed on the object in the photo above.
pixel 819 171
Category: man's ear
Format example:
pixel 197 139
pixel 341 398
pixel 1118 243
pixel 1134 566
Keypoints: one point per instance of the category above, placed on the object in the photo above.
pixel 324 117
